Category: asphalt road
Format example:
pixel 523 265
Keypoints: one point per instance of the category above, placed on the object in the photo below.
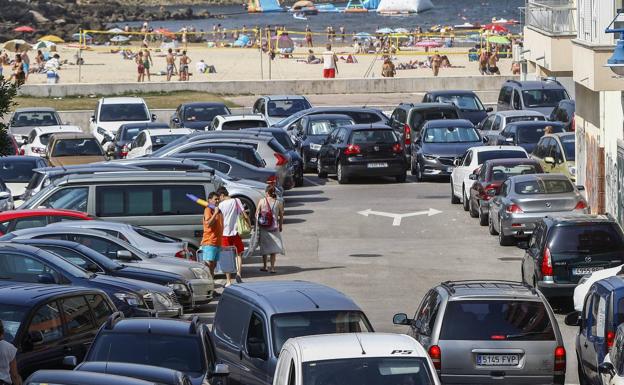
pixel 385 268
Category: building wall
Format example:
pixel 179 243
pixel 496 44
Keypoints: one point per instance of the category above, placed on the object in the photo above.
pixel 613 123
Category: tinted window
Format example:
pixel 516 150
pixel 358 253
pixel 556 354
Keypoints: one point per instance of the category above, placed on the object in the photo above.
pixel 160 141
pixel 544 186
pixel 203 113
pixel 101 245
pixel 373 137
pixel 256 334
pixel 569 149
pixel 76 147
pixel 17 267
pixel 451 135
pixel 17 170
pixel 27 223
pixel 284 140
pixel 241 124
pixel 284 108
pixel 101 309
pixel 47 321
pixel 77 315
pixel 420 117
pixel 324 127
pixel 533 134
pixel 147 200
pixel 482 320
pixel 45 138
pixel 379 370
pixel 71 198
pixel 543 97
pixel 129 133
pixel 463 102
pixel 594 238
pixel 12 317
pixel 512 119
pixel 482 156
pixel 123 112
pixel 363 117
pixel 23 119
pixel 153 235
pixel 502 172
pixel 505 95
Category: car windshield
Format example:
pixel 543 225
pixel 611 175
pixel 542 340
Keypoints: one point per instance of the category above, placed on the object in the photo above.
pixel 569 149
pixel 159 141
pixel 368 370
pixel 590 238
pixel 164 350
pixel 544 186
pixel 12 317
pixel 502 172
pixel 532 134
pixel 77 147
pixel 463 102
pixel 241 124
pixel 451 135
pixel 482 156
pixel 78 258
pixel 153 235
pixel 484 320
pixel 285 108
pixel 26 119
pixel 284 140
pixel 129 133
pixel 17 171
pixel 123 112
pixel 204 113
pixel 420 117
pixel 373 136
pixel 534 118
pixel 324 127
pixel 291 325
pixel 543 97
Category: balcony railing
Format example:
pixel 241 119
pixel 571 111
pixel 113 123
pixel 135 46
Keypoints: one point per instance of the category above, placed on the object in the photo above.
pixel 555 17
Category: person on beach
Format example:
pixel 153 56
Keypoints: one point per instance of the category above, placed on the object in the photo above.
pixel 342 33
pixel 483 61
pixel 515 68
pixel 147 63
pixel 330 63
pixel 388 70
pixel 171 67
pixel 185 37
pixel 232 208
pixel 436 62
pixel 184 66
pixel 26 64
pixel 312 59
pixel 140 67
pixel 8 362
pixel 17 74
pixel 493 63
pixel 213 232
pixel 270 219
pixel 308 38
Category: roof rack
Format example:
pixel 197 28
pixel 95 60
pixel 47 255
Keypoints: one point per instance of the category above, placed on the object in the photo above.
pixel 551 79
pixel 113 319
pixel 514 81
pixel 450 285
pixel 194 325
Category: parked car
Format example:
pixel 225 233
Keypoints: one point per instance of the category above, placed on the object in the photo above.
pixel 233 167
pixel 564 249
pixel 564 113
pixel 24 120
pixel 438 144
pixel 37 141
pixel 236 122
pixel 557 154
pixel 16 172
pixel 486 331
pixel 359 116
pixel 72 377
pixel 160 375
pixel 362 150
pixel 491 175
pixel 468 102
pixel 27 264
pixel 495 122
pixel 254 320
pixel 126 134
pixel 37 318
pixel 6 198
pixel 379 358
pixel 469 164
pixel 73 148
pixel 111 113
pixel 585 283
pixel 197 115
pixel 541 95
pixel 611 369
pixel 185 346
pixel 26 219
pixel 150 140
pixel 277 107
pixel 525 199
pixel 523 134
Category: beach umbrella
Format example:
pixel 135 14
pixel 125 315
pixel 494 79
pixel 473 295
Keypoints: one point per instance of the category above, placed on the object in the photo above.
pixel 401 30
pixel 284 41
pixel 52 39
pixel 17 45
pixel 498 40
pixel 495 28
pixel 165 32
pixel 384 30
pixel 115 30
pixel 44 45
pixel 429 44
pixel 119 39
pixel 363 36
pixel 85 36
pixel 24 29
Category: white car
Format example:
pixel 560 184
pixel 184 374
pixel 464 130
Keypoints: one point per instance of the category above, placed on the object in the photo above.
pixel 237 122
pixel 354 358
pixel 37 141
pixel 611 370
pixel 110 113
pixel 148 141
pixel 472 160
pixel 581 290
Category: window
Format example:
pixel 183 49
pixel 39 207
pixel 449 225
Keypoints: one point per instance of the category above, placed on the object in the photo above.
pixel 532 134
pixel 71 198
pixel 504 97
pixel 256 337
pixel 12 317
pixel 569 147
pixel 595 315
pixel 160 141
pixel 230 329
pixel 61 218
pixel 123 112
pixel 342 136
pixel 543 97
pixel 285 108
pixel 17 170
pixel 363 117
pixel 198 113
pixel 463 102
pixel 497 123
pixel 373 136
pixel 401 116
pixel 129 200
pixel 101 245
pixel 35 119
pixel 47 321
pixel 467 158
pixel 101 309
pixel 487 124
pixel 22 268
pixel 428 313
pixel 544 186
pixel 451 135
pixel 140 140
pixel 483 156
pixel 600 240
pixel 517 105
pixel 242 124
pixel 153 235
pixel 72 256
pixel 28 223
pixel 77 147
pixel 77 315
pixel 502 172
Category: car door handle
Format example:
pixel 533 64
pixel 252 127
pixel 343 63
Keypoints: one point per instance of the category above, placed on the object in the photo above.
pixel 240 354
pixel 585 344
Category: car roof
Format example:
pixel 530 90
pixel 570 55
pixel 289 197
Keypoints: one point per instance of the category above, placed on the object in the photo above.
pixel 204 104
pixel 12 214
pixel 367 126
pixel 122 100
pixel 578 219
pixel 529 177
pixel 513 113
pixel 428 106
pixel 60 128
pixel 143 125
pixel 509 161
pixel 59 229
pixel 96 223
pixel 230 118
pixel 35 109
pixel 283 97
pixel 536 123
pixel 9 158
pixel 73 377
pixel 536 84
pixel 495 289
pixel 497 148
pixel 167 131
pixel 292 296
pixel 150 325
pixel 152 373
pixel 356 345
pixel 126 176
pixel 26 294
pixel 327 116
pixel 448 123
pixel 71 135
pixel 451 92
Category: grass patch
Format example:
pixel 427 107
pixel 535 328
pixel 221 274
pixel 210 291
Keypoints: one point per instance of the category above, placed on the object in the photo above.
pixel 154 100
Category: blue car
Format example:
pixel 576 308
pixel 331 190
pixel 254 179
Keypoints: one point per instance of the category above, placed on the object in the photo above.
pixel 468 102
pixel 23 263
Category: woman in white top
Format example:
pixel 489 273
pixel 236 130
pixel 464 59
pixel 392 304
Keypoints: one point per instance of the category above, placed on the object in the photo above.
pixel 270 219
pixel 8 363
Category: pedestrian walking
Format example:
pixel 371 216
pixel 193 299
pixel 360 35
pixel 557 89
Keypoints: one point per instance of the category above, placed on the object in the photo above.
pixel 232 209
pixel 8 364
pixel 308 38
pixel 330 63
pixel 171 67
pixel 147 63
pixel 213 232
pixel 184 66
pixel 270 220
pixel 140 67
pixel 342 33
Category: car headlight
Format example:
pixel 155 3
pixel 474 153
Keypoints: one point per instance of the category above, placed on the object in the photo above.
pixel 572 170
pixel 178 287
pixel 163 300
pixel 200 273
pixel 430 157
pixel 315 147
pixel 130 299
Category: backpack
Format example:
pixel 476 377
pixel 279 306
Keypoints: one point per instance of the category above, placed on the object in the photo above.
pixel 265 217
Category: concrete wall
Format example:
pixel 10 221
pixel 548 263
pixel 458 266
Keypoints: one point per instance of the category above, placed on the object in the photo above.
pixel 243 87
pixel 555 50
pixel 589 67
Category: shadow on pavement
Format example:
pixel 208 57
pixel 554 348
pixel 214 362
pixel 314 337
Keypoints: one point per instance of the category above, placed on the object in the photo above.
pixel 292 193
pixel 304 199
pixel 562 305
pixel 297 212
pixel 254 271
pixel 290 221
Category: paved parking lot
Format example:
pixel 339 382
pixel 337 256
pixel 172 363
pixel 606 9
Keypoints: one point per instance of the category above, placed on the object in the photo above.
pixel 387 267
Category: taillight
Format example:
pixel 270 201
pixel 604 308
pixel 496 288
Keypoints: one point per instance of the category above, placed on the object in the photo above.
pixel 281 159
pixel 181 254
pixel 352 149
pixel 407 131
pixel 436 356
pixel 486 191
pixel 498 337
pixel 271 180
pixel 610 340
pixel 581 205
pixel 513 209
pixel 547 270
pixel 396 148
pixel 124 151
pixel 560 360
pixel 21 151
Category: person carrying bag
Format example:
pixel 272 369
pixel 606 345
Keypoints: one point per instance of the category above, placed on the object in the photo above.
pixel 270 220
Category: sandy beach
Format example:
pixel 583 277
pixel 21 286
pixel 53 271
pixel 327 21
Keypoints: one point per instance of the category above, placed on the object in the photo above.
pixel 102 66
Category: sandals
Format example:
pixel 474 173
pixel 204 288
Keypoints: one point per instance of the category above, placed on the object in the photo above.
pixel 264 269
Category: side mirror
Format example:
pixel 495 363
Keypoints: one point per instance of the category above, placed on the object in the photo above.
pixel 175 120
pixel 221 370
pixel 45 278
pixel 124 255
pixel 523 245
pixel 92 267
pixel 400 319
pixel 257 349
pixel 35 337
pixel 70 361
pixel 4 195
pixel 153 117
pixel 606 368
pixel 549 160
pixel 573 319
pixel 93 118
pixel 456 162
pixel 489 109
pixel 473 176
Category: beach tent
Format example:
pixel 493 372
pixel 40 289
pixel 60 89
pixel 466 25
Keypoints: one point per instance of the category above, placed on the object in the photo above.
pixel 371 4
pixel 363 36
pixel 242 41
pixel 52 39
pixel 115 30
pixel 44 45
pixel 17 45
pixel 404 6
pixel 119 39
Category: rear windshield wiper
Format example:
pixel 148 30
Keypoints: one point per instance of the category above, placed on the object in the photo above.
pixel 527 334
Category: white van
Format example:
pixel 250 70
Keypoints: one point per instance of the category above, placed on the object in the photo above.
pixel 354 358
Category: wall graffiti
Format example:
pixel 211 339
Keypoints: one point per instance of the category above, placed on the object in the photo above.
pixel 595 173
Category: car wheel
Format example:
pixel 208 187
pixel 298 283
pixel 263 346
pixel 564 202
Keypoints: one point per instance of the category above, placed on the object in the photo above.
pixel 483 218
pixel 491 226
pixel 304 159
pixel 465 202
pixel 249 207
pixel 503 240
pixel 581 374
pixel 299 178
pixel 319 170
pixel 472 211
pixel 454 199
pixel 401 178
pixel 342 179
pixel 419 175
pixel 412 167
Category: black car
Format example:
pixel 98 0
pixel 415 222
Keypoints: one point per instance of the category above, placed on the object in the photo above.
pixel 524 134
pixel 48 322
pixel 172 344
pixel 359 115
pixel 468 103
pixel 18 170
pixel 71 377
pixel 564 249
pixel 126 134
pixel 362 150
pixel 438 144
pixel 153 374
pixel 564 113
pixel 23 263
pixel 232 167
pixel 198 115
pixel 94 262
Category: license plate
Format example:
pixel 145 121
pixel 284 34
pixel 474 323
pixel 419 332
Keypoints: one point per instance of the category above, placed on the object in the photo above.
pixel 377 165
pixel 585 270
pixel 498 359
pixel 449 169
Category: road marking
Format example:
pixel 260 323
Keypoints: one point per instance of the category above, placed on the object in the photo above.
pixel 396 218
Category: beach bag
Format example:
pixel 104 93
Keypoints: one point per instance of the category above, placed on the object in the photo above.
pixel 242 225
pixel 265 217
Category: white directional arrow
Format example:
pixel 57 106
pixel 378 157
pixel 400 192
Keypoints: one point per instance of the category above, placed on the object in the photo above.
pixel 396 218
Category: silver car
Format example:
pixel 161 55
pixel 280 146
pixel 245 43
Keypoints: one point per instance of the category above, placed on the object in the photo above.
pixel 525 199
pixel 489 332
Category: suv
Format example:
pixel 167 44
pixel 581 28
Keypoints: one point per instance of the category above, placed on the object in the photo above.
pixel 495 122
pixel 24 120
pixel 542 95
pixel 111 113
pixel 185 346
pixel 556 153
pixel 236 122
pixel 126 134
pixel 488 331
pixel 38 318
pixel 468 103
pixel 277 107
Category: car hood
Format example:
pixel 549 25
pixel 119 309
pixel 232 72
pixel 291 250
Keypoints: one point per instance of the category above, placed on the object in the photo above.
pixel 17 188
pixel 69 160
pixel 156 264
pixel 23 131
pixel 196 125
pixel 160 276
pixel 128 284
pixel 475 117
pixel 447 149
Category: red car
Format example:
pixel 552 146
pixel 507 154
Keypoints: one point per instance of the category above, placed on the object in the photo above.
pixel 488 179
pixel 26 219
